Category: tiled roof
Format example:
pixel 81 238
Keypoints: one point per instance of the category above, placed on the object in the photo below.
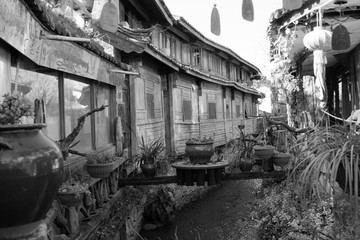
pixel 58 24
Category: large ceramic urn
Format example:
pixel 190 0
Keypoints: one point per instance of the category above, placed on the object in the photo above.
pixel 31 167
pixel 199 152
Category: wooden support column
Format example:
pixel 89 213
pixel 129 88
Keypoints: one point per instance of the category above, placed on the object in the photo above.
pixel 346 106
pixel 170 113
pixel 136 62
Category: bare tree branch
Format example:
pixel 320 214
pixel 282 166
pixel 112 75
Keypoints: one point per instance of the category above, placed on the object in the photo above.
pixel 65 143
pixel 289 128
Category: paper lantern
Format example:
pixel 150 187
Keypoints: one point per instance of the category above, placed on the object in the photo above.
pixel 248 10
pixel 340 38
pixel 292 4
pixel 318 39
pixel 215 21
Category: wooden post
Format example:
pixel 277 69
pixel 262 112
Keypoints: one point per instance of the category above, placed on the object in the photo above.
pixel 136 62
pixel 189 177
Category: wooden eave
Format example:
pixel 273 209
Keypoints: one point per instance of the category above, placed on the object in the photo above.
pixel 60 25
pixel 167 14
pixel 191 30
pixel 124 42
pixel 220 81
pixel 156 53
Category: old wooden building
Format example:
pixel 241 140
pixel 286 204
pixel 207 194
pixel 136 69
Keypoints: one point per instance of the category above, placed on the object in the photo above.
pixel 163 78
pixel 188 86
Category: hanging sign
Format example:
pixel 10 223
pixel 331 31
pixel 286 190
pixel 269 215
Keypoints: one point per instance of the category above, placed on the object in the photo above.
pixel 215 21
pixel 248 10
pixel 340 38
pixel 109 19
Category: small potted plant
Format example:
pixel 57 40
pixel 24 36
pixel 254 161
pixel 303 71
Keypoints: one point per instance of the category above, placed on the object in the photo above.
pixel 71 193
pixel 148 154
pixel 281 159
pixel 199 150
pixel 100 165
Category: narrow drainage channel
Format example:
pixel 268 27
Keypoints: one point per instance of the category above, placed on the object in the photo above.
pixel 223 214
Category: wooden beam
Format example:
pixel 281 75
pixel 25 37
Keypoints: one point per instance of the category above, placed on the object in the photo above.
pixel 147 181
pixel 141 9
pixel 254 175
pixel 226 177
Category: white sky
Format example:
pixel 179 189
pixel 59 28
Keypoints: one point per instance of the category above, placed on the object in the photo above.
pixel 247 39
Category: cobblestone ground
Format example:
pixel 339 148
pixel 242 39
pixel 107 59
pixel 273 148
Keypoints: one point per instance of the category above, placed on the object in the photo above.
pixel 223 214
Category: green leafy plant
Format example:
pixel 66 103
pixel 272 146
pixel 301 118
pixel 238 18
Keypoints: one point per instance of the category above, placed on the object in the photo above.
pixel 323 152
pixel 280 215
pixel 77 181
pixel 326 158
pixel 200 140
pixel 14 107
pixel 100 158
pixel 246 144
pixel 150 151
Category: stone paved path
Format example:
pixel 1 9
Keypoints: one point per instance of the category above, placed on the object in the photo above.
pixel 223 214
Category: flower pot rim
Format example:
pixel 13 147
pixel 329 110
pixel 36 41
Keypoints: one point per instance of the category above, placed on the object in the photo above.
pixel 70 192
pixel 99 164
pixel 199 143
pixel 21 126
pixel 265 147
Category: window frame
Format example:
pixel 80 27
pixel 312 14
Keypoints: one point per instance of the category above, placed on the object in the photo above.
pixel 26 65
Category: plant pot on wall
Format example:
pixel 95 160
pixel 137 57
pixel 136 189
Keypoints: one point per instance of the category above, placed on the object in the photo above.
pixel 148 168
pixel 264 152
pixel 100 170
pixel 281 159
pixel 246 164
pixel 70 199
pixel 31 168
pixel 199 152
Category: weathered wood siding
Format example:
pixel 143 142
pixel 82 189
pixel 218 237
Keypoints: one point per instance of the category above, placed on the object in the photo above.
pixel 186 105
pixel 230 109
pixel 229 115
pixel 212 94
pixel 149 105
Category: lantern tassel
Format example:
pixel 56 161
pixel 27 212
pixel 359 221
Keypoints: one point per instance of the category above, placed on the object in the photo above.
pixel 319 72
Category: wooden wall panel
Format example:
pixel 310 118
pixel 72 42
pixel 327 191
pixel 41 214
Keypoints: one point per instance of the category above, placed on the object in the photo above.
pixel 149 126
pixel 183 132
pixel 214 128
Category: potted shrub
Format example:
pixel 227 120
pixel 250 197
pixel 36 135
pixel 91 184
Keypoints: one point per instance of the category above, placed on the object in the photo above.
pixel 199 150
pixel 281 159
pixel 31 166
pixel 148 154
pixel 100 165
pixel 246 156
pixel 265 152
pixel 72 192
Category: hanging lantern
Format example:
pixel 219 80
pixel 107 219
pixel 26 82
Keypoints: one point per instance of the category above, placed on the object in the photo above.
pixel 318 39
pixel 340 38
pixel 109 19
pixel 292 4
pixel 215 21
pixel 248 10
